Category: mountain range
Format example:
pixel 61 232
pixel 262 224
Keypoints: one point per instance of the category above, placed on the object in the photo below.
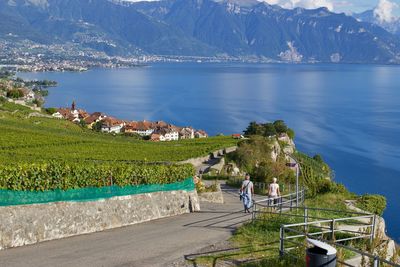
pixel 245 29
pixel 392 26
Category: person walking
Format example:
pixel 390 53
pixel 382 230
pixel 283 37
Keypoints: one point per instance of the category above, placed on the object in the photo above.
pixel 247 191
pixel 273 191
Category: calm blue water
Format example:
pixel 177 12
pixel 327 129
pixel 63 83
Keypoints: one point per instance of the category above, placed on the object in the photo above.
pixel 348 113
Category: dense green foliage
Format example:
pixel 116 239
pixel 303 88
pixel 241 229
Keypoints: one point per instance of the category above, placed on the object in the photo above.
pixel 254 156
pixel 51 110
pixel 64 176
pixel 15 93
pixel 41 83
pixel 316 175
pixel 41 92
pixel 268 129
pixel 372 203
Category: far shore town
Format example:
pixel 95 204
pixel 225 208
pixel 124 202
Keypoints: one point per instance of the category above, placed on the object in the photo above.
pixel 154 131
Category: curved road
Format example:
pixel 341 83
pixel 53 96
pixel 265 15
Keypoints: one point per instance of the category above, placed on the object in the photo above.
pixel 156 243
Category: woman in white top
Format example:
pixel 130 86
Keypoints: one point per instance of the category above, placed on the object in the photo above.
pixel 246 191
pixel 273 191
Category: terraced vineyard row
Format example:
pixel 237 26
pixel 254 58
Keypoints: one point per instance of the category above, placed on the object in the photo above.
pixel 35 139
pixel 39 154
pixel 57 175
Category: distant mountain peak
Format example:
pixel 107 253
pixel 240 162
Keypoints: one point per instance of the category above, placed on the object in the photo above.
pixel 372 16
pixel 240 29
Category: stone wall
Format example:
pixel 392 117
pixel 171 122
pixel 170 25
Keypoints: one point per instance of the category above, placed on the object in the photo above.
pixel 213 197
pixel 29 224
pixel 201 160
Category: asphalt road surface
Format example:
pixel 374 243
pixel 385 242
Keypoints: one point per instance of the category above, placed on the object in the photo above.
pixel 156 243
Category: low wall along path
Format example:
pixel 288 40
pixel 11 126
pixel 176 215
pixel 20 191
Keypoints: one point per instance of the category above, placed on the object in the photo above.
pixel 28 224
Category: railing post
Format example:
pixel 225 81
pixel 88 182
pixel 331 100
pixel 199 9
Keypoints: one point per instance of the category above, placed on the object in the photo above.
pixel 280 204
pixel 371 239
pixel 332 228
pixel 253 215
pixel 281 240
pixel 376 262
pixel 291 202
pixel 305 219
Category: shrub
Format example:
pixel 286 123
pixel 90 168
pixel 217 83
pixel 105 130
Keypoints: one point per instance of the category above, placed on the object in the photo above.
pixel 290 133
pixel 38 102
pixel 15 93
pixel 51 111
pixel 318 158
pixel 372 203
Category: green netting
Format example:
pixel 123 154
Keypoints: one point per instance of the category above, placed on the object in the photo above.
pixel 10 197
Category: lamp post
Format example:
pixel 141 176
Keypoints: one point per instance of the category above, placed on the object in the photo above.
pixel 297 165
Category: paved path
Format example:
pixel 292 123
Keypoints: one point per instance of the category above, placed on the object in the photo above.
pixel 156 243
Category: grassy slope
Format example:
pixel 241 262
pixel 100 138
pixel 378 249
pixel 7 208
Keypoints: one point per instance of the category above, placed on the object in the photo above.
pixel 257 242
pixel 35 139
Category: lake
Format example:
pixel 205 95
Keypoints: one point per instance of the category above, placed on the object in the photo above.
pixel 350 114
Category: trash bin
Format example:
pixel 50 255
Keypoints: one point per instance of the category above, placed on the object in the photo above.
pixel 321 254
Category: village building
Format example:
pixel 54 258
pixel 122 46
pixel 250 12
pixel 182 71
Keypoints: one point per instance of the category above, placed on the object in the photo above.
pixel 166 134
pixel 200 134
pixel 112 125
pixel 95 117
pixel 66 113
pixel 143 128
pixel 186 133
pixel 57 115
pixel 237 136
pixel 82 114
pixel 155 137
pixel 160 124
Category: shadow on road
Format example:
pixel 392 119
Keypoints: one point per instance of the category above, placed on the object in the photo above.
pixel 221 254
pixel 229 220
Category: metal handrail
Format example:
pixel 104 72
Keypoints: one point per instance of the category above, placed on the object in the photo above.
pixel 328 230
pixel 376 259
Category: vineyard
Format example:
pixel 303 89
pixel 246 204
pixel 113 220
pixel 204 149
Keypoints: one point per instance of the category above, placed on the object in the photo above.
pixel 38 153
pixel 64 176
pixel 316 175
pixel 41 139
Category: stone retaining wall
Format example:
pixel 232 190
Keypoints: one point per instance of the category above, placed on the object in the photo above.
pixel 200 160
pixel 213 197
pixel 29 224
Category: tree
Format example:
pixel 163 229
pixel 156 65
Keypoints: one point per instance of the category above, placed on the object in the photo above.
pixel 97 126
pixel 280 126
pixel 269 129
pixel 253 129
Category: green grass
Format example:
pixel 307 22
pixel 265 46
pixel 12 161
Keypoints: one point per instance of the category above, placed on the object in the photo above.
pixel 42 139
pixel 257 243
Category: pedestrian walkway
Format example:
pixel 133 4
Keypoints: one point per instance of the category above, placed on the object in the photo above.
pixel 155 243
